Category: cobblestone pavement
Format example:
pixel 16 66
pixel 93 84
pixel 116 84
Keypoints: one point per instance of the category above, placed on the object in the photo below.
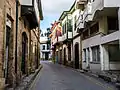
pixel 58 77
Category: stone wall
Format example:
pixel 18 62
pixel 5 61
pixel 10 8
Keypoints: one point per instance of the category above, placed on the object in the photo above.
pixel 12 77
pixel 2 80
pixel 35 38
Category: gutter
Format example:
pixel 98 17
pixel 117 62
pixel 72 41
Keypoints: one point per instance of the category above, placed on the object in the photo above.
pixel 16 36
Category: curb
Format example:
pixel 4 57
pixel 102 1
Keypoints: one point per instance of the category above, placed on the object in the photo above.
pixel 32 79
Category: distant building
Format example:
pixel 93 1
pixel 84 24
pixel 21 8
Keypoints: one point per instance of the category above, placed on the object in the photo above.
pixel 56 43
pixel 45 50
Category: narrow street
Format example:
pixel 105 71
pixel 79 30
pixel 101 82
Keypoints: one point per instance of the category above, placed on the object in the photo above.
pixel 57 77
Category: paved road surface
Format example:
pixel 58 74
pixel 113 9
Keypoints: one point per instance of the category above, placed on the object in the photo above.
pixel 57 77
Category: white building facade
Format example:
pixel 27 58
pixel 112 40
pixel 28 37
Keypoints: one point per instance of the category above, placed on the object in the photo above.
pixel 45 51
pixel 100 32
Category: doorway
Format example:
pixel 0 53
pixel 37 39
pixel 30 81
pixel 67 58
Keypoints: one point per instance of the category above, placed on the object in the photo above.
pixel 8 30
pixel 46 55
pixel 24 52
pixel 60 56
pixel 64 56
pixel 77 56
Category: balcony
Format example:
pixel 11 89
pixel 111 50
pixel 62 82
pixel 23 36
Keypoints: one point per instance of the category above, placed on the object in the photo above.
pixel 103 6
pixel 69 35
pixel 98 8
pixel 100 39
pixel 100 4
pixel 110 37
pixel 92 41
pixel 55 41
pixel 87 13
pixel 80 22
pixel 29 10
pixel 45 50
pixel 65 37
pixel 60 38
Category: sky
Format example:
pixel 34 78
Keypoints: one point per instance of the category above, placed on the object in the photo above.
pixel 52 9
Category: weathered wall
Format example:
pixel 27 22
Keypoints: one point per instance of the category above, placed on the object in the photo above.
pixel 2 80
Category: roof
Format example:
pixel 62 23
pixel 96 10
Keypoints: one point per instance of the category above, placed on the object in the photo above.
pixel 63 15
pixel 71 10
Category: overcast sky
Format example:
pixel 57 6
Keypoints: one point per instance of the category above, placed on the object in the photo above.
pixel 52 9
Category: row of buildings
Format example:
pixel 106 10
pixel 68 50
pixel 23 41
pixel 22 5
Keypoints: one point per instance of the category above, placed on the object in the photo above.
pixel 19 40
pixel 88 36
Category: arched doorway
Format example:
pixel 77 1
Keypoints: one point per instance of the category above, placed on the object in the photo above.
pixel 77 56
pixel 60 56
pixel 69 52
pixel 64 56
pixel 57 56
pixel 24 52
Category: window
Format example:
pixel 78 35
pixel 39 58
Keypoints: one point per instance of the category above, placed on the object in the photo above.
pixel 85 34
pixel 69 52
pixel 85 57
pixel 43 47
pixel 63 29
pixel 94 29
pixel 114 52
pixel 96 54
pixel 41 35
pixel 69 25
pixel 112 24
pixel 88 51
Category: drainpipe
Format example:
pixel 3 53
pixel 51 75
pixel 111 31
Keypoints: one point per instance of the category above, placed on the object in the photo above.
pixel 16 38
